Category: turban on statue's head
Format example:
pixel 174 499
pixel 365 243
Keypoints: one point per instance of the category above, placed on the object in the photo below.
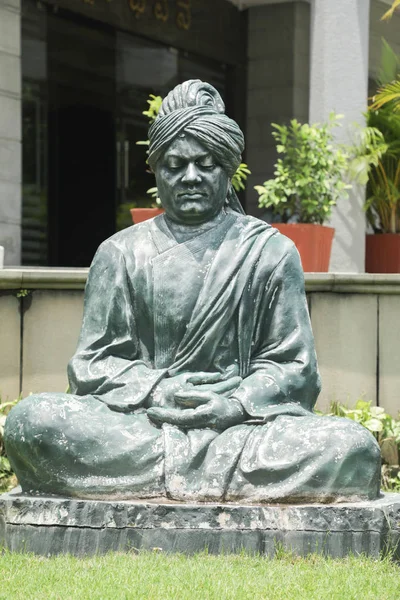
pixel 196 108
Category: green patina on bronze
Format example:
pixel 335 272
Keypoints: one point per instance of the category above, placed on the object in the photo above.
pixel 195 375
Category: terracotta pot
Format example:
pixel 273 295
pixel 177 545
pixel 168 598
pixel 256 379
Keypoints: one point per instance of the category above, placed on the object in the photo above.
pixel 143 214
pixel 314 243
pixel 382 253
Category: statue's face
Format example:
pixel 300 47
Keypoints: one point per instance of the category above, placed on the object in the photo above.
pixel 191 185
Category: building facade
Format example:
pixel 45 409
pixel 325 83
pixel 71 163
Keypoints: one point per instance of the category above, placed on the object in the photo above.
pixel 75 76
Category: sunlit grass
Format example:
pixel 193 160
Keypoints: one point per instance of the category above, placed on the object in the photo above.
pixel 159 576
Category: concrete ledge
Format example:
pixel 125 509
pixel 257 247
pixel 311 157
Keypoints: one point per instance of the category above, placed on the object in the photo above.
pixel 52 525
pixel 351 283
pixel 75 279
pixel 45 278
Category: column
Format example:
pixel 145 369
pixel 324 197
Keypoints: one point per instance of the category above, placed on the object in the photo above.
pixel 339 82
pixel 10 130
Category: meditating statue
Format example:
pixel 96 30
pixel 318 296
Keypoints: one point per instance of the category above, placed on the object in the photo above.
pixel 195 375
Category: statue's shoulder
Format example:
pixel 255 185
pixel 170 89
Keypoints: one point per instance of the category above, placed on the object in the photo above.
pixel 128 239
pixel 277 245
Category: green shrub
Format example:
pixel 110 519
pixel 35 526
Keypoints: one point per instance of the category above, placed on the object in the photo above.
pixel 7 477
pixel 385 429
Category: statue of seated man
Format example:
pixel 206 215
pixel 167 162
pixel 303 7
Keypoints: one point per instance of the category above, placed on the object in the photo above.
pixel 195 375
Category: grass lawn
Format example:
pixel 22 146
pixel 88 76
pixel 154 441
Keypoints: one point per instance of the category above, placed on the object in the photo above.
pixel 156 576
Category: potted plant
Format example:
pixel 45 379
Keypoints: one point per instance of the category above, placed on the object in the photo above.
pixel 147 212
pixel 142 214
pixel 383 189
pixel 383 198
pixel 307 184
pixel 310 176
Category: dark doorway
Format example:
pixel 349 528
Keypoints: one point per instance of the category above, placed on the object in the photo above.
pixel 82 141
pixel 82 182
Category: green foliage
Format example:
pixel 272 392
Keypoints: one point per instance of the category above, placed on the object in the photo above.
pixel 159 575
pixel 385 429
pixel 367 150
pixel 154 103
pixel 309 173
pixel 388 80
pixel 389 64
pixel 153 192
pixel 374 418
pixel 383 190
pixel 7 477
pixel 389 93
pixel 240 177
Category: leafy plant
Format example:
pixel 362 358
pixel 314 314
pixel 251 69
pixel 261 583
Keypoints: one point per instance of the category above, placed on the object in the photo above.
pixel 7 477
pixel 374 418
pixel 22 293
pixel 383 190
pixel 385 429
pixel 311 171
pixel 389 92
pixel 308 173
pixel 240 177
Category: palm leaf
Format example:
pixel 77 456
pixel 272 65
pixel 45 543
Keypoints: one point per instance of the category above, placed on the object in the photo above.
pixel 389 65
pixel 389 14
pixel 388 93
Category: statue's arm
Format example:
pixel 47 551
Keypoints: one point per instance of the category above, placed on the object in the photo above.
pixel 283 375
pixel 106 362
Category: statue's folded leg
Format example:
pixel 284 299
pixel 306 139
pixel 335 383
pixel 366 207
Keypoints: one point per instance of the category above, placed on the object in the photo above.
pixel 306 459
pixel 76 446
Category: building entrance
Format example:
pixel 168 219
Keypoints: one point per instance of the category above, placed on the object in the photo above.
pixel 85 89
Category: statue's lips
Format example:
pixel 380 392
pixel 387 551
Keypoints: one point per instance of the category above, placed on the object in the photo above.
pixel 191 196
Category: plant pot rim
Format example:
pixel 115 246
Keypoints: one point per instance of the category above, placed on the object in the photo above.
pixel 147 208
pixel 306 225
pixel 381 234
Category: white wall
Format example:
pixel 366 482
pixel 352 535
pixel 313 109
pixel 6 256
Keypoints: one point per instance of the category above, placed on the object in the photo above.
pixel 355 321
pixel 339 82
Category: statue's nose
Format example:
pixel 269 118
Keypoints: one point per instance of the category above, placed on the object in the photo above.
pixel 192 174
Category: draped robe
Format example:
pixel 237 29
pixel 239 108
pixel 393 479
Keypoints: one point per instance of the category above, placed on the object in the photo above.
pixel 155 308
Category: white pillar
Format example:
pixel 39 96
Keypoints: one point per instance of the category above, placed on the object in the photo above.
pixel 339 82
pixel 10 130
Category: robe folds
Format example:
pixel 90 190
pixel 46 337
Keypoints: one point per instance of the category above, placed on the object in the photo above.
pixel 155 308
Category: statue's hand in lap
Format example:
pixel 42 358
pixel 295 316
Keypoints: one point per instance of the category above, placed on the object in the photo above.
pixel 163 395
pixel 202 404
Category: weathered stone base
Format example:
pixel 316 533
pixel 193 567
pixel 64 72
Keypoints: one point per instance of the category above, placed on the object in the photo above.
pixel 53 525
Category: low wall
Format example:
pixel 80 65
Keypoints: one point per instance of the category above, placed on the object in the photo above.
pixel 355 318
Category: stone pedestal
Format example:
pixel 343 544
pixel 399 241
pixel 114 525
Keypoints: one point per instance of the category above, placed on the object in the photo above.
pixel 52 525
